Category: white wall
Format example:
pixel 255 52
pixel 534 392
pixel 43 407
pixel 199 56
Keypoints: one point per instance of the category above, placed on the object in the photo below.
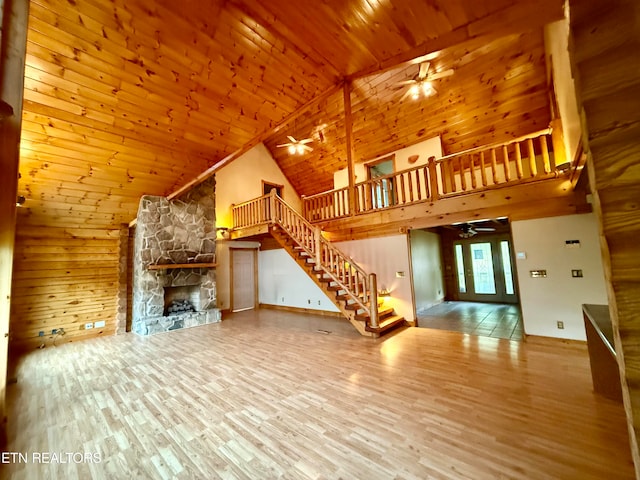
pixel 385 256
pixel 241 180
pixel 431 147
pixel 428 282
pixel 237 182
pixel 282 282
pixel 556 36
pixel 559 297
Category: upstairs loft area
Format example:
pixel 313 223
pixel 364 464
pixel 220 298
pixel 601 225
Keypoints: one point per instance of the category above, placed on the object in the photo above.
pixel 531 171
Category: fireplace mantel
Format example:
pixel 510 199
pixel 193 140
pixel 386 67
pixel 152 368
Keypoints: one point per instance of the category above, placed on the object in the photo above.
pixel 167 266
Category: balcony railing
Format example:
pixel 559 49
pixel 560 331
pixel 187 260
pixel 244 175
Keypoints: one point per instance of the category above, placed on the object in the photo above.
pixel 525 159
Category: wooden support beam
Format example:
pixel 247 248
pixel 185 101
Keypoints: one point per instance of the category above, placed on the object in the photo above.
pixel 348 125
pixel 255 141
pixel 516 18
pixel 13 39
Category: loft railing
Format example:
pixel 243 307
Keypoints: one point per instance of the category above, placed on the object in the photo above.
pixel 252 212
pixel 359 285
pixel 521 160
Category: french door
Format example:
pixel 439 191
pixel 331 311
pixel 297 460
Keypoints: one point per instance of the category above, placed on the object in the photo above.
pixel 484 269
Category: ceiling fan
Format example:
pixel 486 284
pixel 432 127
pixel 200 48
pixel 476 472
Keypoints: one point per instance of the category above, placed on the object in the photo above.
pixel 421 84
pixel 297 146
pixel 467 230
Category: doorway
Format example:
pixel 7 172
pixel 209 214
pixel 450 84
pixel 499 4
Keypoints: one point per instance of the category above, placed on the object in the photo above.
pixel 484 270
pixel 382 190
pixel 267 187
pixel 244 279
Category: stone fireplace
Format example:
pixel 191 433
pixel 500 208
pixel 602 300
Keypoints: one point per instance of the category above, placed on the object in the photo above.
pixel 174 252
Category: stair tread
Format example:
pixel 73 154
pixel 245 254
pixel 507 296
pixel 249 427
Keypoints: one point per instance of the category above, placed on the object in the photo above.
pixel 387 324
pixel 382 313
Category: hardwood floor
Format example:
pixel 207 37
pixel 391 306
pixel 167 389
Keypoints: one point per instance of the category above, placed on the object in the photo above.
pixel 495 320
pixel 264 395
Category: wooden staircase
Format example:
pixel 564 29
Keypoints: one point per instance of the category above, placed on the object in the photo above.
pixel 349 287
pixel 352 290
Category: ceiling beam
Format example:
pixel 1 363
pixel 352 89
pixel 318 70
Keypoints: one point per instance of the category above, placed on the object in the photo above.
pixel 517 18
pixel 255 141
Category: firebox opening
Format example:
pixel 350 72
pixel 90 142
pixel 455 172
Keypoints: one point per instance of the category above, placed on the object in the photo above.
pixel 182 299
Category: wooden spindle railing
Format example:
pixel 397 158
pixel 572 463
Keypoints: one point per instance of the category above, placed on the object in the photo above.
pixel 252 212
pixel 524 159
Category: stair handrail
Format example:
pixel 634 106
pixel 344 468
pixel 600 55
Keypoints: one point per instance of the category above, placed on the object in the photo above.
pixel 314 244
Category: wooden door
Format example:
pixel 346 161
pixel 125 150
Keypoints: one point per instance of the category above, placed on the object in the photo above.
pixel 244 279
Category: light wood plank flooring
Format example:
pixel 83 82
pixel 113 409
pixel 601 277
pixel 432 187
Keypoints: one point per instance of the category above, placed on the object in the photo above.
pixel 263 395
pixel 495 320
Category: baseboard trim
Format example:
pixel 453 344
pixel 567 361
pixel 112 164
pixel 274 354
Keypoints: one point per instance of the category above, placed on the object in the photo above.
pixel 541 340
pixel 324 313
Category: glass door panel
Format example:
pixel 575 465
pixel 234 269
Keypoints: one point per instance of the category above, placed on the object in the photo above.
pixel 506 267
pixel 462 284
pixel 482 267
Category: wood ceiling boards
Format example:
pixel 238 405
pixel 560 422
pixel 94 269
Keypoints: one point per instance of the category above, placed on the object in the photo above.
pixel 125 98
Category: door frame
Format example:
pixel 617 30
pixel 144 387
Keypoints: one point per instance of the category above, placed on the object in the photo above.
pixel 232 250
pixel 500 296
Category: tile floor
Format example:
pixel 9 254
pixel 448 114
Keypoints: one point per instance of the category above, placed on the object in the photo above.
pixel 483 319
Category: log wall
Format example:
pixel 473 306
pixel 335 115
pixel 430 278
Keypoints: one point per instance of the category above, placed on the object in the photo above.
pixel 63 279
pixel 606 60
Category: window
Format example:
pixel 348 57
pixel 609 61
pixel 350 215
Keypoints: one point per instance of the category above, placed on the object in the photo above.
pixel 382 193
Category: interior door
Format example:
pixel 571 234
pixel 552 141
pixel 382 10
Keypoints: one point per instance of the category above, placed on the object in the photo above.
pixel 243 279
pixel 484 268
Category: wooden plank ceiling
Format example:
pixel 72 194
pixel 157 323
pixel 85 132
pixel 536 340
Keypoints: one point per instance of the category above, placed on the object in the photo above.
pixel 132 97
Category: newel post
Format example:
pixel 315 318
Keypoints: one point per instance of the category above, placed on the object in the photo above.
pixel 272 205
pixel 557 139
pixel 433 178
pixel 373 301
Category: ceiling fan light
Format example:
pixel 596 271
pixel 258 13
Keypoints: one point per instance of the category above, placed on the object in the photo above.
pixel 414 91
pixel 427 89
pixel 300 149
pixel 292 149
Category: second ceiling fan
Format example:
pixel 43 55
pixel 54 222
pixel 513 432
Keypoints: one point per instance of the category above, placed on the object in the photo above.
pixel 421 84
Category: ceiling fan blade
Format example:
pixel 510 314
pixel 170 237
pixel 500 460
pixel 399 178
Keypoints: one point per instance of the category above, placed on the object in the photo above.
pixel 424 69
pixel 293 140
pixel 406 94
pixel 406 82
pixel 444 73
pixel 307 148
pixel 285 145
pixel 484 229
pixel 305 140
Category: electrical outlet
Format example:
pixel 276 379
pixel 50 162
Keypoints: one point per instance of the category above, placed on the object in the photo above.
pixel 88 326
pixel 41 333
pixel 318 302
pixel 308 301
pixel 99 324
pixel 54 331
pixel 560 325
